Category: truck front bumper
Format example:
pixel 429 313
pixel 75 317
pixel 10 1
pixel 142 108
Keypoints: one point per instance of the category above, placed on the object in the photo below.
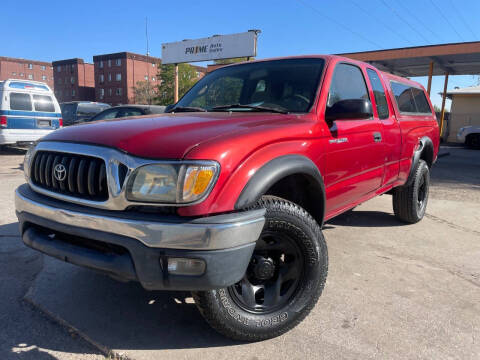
pixel 138 246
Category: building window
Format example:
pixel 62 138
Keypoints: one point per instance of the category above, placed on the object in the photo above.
pixel 30 76
pixel 72 80
pixel 153 65
pixel 59 68
pixel 118 91
pixel 44 77
pixel 43 67
pixel 101 78
pixel 118 62
pixel 30 66
pixel 59 80
pixel 118 77
pixel 14 73
pixel 73 92
pixel 102 93
pixel 146 77
pixel 100 64
pixel 110 92
pixel 109 63
pixel 21 74
pixel 153 78
pixel 109 77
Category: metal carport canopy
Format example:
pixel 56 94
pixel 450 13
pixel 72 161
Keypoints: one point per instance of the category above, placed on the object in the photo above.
pixel 454 59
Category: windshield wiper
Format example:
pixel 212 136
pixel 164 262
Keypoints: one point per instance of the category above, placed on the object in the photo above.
pixel 187 109
pixel 252 107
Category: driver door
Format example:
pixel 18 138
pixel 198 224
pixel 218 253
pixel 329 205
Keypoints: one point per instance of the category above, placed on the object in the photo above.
pixel 354 147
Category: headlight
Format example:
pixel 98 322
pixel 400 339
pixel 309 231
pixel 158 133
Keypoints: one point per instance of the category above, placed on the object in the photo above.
pixel 172 183
pixel 26 162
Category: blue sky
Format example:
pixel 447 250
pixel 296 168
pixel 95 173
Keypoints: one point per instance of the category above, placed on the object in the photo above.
pixel 56 30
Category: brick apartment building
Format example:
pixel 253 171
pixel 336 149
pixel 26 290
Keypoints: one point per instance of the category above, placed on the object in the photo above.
pixel 13 68
pixel 117 74
pixel 74 80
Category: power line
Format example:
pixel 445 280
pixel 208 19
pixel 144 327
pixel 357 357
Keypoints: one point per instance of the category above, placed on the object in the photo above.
pixel 384 24
pixel 446 19
pixel 419 21
pixel 405 21
pixel 340 24
pixel 463 19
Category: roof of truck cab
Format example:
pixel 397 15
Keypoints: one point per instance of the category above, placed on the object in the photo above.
pixel 333 57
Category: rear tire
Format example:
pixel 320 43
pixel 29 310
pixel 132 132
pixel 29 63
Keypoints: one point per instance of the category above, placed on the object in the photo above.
pixel 283 282
pixel 410 202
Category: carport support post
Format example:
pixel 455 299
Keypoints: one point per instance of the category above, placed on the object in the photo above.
pixel 430 74
pixel 444 98
pixel 175 94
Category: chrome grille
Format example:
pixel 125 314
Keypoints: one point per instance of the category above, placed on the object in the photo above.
pixel 85 176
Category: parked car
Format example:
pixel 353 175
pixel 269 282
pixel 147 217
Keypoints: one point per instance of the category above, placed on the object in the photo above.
pixel 28 111
pixel 75 112
pixel 127 111
pixel 226 195
pixel 470 136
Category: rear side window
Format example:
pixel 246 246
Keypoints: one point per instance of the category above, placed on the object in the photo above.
pixel 379 93
pixel 421 101
pixel 89 110
pixel 347 83
pixel 410 99
pixel 129 112
pixel 43 103
pixel 19 101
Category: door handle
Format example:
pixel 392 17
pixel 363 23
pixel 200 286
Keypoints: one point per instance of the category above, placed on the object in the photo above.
pixel 377 137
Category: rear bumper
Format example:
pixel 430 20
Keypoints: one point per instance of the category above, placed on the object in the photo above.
pixel 12 136
pixel 133 246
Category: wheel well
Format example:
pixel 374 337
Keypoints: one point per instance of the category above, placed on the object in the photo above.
pixel 302 190
pixel 427 153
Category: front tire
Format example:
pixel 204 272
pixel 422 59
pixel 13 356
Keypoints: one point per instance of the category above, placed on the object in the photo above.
pixel 283 282
pixel 410 202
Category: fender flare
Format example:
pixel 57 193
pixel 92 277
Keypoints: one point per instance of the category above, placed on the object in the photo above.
pixel 274 171
pixel 424 143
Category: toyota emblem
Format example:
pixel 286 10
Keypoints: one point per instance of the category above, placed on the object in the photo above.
pixel 60 172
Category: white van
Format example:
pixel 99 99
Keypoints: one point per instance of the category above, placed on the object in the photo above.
pixel 28 111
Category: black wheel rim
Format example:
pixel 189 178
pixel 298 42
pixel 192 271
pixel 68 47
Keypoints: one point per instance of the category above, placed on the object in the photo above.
pixel 273 275
pixel 422 192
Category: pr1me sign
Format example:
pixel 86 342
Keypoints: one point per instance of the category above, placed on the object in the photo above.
pixel 211 48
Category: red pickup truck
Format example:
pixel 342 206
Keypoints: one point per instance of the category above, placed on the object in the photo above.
pixel 226 194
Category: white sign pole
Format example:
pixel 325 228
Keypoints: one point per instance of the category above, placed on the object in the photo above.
pixel 175 94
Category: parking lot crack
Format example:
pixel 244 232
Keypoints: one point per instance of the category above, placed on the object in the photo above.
pixel 451 225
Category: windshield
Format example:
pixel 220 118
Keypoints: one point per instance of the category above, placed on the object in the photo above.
pixel 286 85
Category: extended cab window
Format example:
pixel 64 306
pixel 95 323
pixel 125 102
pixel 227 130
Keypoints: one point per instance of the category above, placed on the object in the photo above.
pixel 421 101
pixel 379 93
pixel 43 103
pixel 19 101
pixel 410 99
pixel 347 83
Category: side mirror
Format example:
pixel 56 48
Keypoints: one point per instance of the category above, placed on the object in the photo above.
pixel 349 109
pixel 169 107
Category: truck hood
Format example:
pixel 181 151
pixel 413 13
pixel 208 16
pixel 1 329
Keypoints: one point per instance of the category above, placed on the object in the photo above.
pixel 168 136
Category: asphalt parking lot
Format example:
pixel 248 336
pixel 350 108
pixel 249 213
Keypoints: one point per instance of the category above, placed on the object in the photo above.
pixel 394 291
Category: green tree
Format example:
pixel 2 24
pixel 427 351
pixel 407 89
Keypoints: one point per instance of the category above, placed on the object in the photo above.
pixel 187 77
pixel 144 92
